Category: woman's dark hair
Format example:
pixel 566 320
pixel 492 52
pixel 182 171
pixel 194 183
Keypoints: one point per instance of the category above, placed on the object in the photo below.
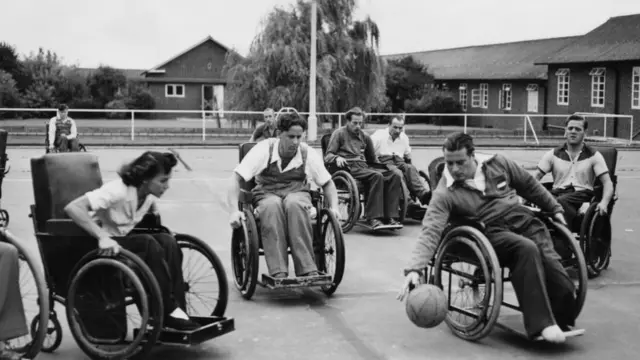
pixel 458 141
pixel 288 120
pixel 146 167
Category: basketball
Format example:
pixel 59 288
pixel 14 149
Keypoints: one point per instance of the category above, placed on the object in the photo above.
pixel 426 306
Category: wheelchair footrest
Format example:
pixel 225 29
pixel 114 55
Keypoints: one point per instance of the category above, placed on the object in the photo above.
pixel 294 282
pixel 212 327
pixel 381 227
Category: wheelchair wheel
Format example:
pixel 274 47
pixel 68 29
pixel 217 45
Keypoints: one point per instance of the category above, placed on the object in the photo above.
pixel 569 241
pixel 200 264
pixel 114 306
pixel 245 255
pixel 474 273
pixel 330 251
pixel 35 299
pixel 349 197
pixel 53 337
pixel 595 241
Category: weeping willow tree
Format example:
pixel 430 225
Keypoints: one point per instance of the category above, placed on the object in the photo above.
pixel 275 73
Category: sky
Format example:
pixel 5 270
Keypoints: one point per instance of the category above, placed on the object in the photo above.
pixel 140 34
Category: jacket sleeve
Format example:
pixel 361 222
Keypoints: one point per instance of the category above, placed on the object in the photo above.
pixel 333 147
pixel 433 225
pixel 529 188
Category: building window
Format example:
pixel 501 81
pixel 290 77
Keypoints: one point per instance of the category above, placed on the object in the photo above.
pixel 484 88
pixel 635 88
pixel 504 101
pixel 563 86
pixel 475 98
pixel 174 90
pixel 597 86
pixel 463 96
pixel 532 98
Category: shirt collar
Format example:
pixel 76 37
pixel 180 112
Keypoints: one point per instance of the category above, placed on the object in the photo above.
pixel 480 158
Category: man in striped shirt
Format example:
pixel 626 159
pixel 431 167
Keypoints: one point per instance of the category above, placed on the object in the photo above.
pixel 575 168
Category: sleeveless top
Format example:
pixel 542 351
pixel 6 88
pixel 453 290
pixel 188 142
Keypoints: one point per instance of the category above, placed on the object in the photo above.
pixel 272 181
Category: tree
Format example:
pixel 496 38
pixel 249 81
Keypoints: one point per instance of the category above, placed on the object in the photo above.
pixel 105 83
pixel 406 79
pixel 9 96
pixel 350 71
pixel 45 70
pixel 10 63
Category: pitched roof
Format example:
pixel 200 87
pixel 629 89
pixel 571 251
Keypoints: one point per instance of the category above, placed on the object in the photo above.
pixel 131 74
pixel 488 62
pixel 618 39
pixel 208 38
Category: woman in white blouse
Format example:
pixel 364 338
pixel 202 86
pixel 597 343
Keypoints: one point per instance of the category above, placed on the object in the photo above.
pixel 121 204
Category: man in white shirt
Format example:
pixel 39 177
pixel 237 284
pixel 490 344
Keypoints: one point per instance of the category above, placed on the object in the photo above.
pixel 392 147
pixel 281 167
pixel 63 133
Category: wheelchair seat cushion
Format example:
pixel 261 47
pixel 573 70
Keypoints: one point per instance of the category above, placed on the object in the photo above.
pixel 59 179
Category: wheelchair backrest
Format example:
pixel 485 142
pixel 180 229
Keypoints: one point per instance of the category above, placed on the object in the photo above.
pixel 243 150
pixel 436 167
pixel 324 142
pixel 3 151
pixel 610 155
pixel 59 179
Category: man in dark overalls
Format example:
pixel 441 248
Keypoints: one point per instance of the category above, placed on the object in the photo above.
pixel 486 188
pixel 281 167
pixel 63 133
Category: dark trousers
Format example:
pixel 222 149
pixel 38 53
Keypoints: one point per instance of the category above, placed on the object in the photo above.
pixel 383 189
pixel 544 290
pixel 163 256
pixel 571 201
pixel 409 172
pixel 64 144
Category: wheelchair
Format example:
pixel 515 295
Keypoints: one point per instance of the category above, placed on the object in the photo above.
pixel 113 304
pixel 246 247
pixel 594 230
pixel 351 193
pixel 33 287
pixel 466 254
pixel 55 150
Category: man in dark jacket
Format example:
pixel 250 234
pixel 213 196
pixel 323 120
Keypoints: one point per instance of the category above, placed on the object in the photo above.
pixel 351 148
pixel 487 188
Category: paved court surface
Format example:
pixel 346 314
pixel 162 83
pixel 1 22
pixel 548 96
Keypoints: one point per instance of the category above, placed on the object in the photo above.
pixel 362 320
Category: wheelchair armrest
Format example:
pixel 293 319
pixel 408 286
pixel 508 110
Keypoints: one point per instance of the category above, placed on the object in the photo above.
pixel 547 185
pixel 64 227
pixel 315 196
pixel 468 221
pixel 149 221
pixel 246 197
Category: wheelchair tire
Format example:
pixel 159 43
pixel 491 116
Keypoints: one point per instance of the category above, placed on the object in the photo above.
pixel 580 263
pixel 404 202
pixel 53 333
pixel 150 300
pixel 345 183
pixel 491 276
pixel 34 346
pixel 245 255
pixel 192 243
pixel 327 220
pixel 597 257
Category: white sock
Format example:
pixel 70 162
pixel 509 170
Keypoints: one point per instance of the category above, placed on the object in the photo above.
pixel 553 334
pixel 179 314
